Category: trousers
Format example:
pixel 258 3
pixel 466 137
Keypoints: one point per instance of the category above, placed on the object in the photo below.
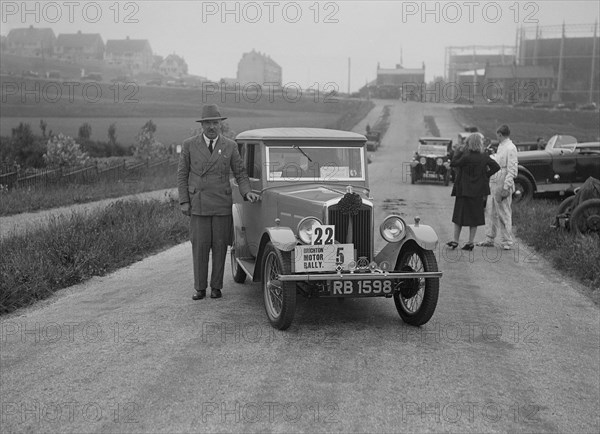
pixel 498 218
pixel 209 234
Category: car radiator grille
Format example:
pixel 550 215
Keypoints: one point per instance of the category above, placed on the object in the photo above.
pixel 361 229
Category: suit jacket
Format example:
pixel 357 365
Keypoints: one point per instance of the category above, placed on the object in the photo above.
pixel 474 174
pixel 203 178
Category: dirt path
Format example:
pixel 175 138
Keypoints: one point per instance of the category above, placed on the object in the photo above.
pixel 19 223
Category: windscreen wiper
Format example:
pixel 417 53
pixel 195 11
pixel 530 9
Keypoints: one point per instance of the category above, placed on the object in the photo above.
pixel 303 153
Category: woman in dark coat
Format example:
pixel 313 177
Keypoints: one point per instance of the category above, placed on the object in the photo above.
pixel 472 184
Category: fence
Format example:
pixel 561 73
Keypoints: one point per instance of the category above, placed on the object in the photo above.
pixel 124 172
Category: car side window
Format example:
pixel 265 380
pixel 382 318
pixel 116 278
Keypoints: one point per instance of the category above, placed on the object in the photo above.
pixel 253 160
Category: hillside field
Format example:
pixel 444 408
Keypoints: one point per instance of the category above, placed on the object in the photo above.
pixel 169 130
pixel 526 124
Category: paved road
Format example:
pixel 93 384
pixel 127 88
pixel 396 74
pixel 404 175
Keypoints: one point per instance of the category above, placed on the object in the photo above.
pixel 513 346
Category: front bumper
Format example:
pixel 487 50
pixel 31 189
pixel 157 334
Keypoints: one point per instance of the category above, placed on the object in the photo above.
pixel 306 277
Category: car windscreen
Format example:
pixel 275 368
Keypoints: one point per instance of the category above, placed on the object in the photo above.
pixel 432 149
pixel 303 162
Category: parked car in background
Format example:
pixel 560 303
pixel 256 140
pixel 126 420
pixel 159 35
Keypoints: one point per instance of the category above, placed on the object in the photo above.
pixel 313 231
pixel 562 166
pixel 373 140
pixel 93 76
pixel 432 160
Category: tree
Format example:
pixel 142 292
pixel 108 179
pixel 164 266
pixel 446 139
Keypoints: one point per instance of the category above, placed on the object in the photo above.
pixel 112 134
pixel 147 146
pixel 64 151
pixel 43 127
pixel 85 131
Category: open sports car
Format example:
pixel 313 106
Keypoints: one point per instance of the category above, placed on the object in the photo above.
pixel 561 167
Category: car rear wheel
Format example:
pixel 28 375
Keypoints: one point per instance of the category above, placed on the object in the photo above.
pixel 523 189
pixel 566 206
pixel 417 298
pixel 586 217
pixel 239 275
pixel 279 296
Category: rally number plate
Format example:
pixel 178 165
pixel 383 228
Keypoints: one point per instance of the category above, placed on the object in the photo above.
pixel 324 257
pixel 361 288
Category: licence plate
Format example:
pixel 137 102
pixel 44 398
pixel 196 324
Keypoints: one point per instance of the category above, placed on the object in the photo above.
pixel 361 288
pixel 322 257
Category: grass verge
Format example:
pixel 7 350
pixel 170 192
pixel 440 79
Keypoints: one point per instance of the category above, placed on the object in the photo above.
pixel 72 249
pixel 576 255
pixel 22 200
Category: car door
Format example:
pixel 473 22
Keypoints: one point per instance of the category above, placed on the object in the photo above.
pixel 250 213
pixel 587 163
pixel 563 164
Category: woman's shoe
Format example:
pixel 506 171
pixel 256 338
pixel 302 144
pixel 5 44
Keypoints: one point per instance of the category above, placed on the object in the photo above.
pixel 468 246
pixel 452 244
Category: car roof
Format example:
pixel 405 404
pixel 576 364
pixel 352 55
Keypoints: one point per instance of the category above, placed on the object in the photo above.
pixel 437 139
pixel 299 133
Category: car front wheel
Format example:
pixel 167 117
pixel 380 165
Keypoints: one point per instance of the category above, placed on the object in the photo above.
pixel 523 189
pixel 279 296
pixel 417 298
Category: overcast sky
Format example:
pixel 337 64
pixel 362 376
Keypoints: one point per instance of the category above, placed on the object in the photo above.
pixel 311 41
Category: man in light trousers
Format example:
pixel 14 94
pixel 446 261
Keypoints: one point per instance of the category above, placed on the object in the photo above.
pixel 498 211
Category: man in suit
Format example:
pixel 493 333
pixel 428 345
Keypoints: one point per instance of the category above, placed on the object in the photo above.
pixel 205 165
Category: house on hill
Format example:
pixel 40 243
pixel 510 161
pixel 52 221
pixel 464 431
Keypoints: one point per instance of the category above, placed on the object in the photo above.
pixel 80 46
pixel 31 42
pixel 133 54
pixel 173 66
pixel 521 83
pixel 255 67
pixel 400 82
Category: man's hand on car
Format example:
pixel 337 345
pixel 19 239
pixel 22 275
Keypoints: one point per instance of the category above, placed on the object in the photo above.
pixel 252 197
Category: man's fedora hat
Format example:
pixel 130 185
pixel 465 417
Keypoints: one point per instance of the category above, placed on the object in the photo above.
pixel 210 112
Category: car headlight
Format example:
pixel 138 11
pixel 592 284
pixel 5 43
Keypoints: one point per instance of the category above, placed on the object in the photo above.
pixel 393 229
pixel 423 160
pixel 305 228
pixel 439 161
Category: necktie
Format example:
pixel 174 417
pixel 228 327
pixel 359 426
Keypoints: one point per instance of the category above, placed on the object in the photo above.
pixel 210 146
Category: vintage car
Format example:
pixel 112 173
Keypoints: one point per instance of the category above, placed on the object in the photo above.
pixel 432 160
pixel 562 166
pixel 373 140
pixel 312 233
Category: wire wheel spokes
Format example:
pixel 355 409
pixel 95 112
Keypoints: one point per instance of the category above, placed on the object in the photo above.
pixel 274 285
pixel 413 303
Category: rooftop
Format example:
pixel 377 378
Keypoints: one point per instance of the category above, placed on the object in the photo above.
pixel 299 133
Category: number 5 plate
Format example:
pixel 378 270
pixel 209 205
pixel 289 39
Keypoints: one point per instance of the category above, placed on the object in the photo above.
pixel 324 257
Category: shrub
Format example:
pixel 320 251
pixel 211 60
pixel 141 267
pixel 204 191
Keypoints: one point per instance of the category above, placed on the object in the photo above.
pixel 63 151
pixel 146 146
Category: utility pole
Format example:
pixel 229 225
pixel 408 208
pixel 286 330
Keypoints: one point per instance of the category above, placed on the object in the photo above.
pixel 591 95
pixel 349 76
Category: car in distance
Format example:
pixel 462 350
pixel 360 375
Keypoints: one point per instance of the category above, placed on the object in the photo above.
pixel 312 233
pixel 373 140
pixel 432 160
pixel 560 167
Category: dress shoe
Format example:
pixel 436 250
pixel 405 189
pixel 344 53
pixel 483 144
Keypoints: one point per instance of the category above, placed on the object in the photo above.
pixel 452 244
pixel 199 295
pixel 216 293
pixel 468 246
